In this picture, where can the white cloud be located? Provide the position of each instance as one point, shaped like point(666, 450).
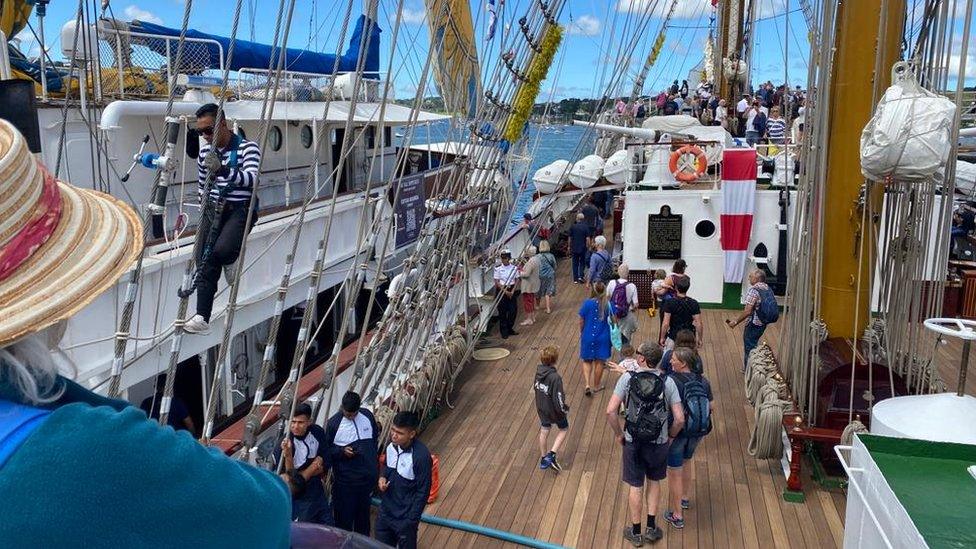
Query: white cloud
point(685, 9)
point(585, 25)
point(413, 17)
point(135, 12)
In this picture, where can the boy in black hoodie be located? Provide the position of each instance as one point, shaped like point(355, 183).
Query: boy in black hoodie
point(550, 403)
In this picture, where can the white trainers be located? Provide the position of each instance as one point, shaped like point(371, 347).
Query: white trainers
point(197, 325)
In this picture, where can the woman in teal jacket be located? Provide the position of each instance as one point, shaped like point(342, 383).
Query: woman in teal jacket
point(77, 469)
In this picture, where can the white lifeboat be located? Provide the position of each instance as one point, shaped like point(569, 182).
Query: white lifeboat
point(550, 178)
point(618, 167)
point(587, 171)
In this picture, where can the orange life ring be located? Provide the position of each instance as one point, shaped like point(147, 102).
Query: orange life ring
point(682, 174)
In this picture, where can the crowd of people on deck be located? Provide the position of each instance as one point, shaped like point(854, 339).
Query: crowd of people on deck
point(661, 406)
point(758, 116)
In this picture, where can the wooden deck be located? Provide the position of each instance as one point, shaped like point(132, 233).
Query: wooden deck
point(489, 457)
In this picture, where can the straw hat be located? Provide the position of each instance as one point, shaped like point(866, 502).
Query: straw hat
point(60, 246)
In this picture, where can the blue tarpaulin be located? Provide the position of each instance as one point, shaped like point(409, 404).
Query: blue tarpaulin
point(251, 55)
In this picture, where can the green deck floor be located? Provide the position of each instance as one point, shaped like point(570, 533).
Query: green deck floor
point(932, 482)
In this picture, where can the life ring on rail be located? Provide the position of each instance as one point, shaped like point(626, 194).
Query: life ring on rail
point(680, 167)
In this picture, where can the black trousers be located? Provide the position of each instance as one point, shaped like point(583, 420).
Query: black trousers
point(401, 536)
point(507, 310)
point(351, 507)
point(226, 248)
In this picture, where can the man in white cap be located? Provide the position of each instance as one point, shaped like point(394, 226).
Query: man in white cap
point(506, 283)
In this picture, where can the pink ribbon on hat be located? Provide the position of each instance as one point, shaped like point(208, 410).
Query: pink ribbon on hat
point(36, 230)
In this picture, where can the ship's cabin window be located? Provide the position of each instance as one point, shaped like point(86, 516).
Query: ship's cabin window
point(275, 138)
point(370, 137)
point(705, 228)
point(307, 136)
point(387, 136)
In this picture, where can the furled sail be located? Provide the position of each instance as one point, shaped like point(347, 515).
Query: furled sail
point(252, 55)
point(456, 68)
point(14, 15)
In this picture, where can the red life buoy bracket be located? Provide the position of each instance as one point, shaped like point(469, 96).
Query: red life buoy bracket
point(682, 169)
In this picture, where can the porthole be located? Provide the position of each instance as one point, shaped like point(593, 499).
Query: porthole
point(705, 228)
point(307, 136)
point(275, 138)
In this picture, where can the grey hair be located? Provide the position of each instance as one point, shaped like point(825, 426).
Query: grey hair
point(686, 356)
point(580, 216)
point(623, 270)
point(28, 373)
point(530, 251)
point(600, 241)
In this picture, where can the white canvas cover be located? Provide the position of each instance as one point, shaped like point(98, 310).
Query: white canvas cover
point(909, 136)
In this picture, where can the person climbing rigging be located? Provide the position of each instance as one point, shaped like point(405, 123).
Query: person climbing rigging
point(236, 161)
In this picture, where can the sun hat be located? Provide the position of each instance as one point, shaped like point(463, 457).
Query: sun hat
point(60, 246)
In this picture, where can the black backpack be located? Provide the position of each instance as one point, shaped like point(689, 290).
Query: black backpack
point(647, 411)
point(607, 272)
point(698, 420)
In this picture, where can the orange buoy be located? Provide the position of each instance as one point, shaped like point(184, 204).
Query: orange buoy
point(682, 172)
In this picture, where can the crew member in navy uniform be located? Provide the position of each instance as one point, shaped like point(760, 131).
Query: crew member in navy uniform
point(233, 183)
point(303, 452)
point(351, 439)
point(405, 484)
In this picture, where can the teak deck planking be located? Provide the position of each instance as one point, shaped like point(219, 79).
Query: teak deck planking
point(489, 457)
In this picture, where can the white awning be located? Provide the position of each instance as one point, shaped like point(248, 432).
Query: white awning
point(365, 113)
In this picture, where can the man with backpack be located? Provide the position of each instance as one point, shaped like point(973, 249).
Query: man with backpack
point(651, 400)
point(680, 313)
point(601, 266)
point(696, 400)
point(622, 295)
point(761, 310)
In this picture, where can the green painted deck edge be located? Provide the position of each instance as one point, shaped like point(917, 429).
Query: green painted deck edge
point(931, 481)
point(731, 298)
point(793, 497)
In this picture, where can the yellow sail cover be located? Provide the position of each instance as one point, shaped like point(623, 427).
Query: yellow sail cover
point(456, 68)
point(14, 15)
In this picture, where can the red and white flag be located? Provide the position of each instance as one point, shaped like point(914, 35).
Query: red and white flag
point(738, 205)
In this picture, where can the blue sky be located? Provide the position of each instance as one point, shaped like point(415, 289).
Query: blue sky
point(583, 68)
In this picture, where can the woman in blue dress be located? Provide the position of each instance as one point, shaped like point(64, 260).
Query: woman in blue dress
point(594, 338)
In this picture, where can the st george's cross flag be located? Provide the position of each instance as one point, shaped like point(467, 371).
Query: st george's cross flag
point(738, 205)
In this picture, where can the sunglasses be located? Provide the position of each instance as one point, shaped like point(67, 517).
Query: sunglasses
point(206, 131)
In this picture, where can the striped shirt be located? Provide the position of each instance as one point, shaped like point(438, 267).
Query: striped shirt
point(776, 128)
point(241, 180)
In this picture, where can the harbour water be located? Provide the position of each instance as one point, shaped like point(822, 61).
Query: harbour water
point(544, 145)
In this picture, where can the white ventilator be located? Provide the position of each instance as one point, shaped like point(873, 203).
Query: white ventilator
point(909, 136)
point(586, 172)
point(549, 179)
point(618, 167)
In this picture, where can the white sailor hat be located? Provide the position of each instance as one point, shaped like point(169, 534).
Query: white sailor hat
point(506, 251)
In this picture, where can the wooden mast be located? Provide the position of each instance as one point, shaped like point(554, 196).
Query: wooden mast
point(851, 97)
